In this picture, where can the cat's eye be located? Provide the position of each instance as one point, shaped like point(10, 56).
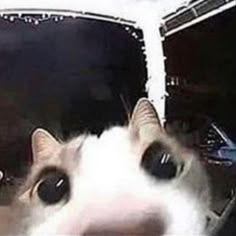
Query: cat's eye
point(159, 163)
point(53, 187)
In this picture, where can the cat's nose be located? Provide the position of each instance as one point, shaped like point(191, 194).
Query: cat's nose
point(123, 216)
point(146, 227)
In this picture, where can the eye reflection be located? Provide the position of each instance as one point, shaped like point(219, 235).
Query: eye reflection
point(53, 187)
point(158, 162)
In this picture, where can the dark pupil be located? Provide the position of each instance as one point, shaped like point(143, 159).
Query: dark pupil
point(54, 188)
point(158, 163)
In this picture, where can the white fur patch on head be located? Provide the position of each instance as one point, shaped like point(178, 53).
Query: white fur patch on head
point(111, 147)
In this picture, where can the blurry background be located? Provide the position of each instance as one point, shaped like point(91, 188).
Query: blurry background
point(67, 75)
point(199, 45)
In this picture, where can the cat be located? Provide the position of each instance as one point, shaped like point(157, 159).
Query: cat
point(131, 180)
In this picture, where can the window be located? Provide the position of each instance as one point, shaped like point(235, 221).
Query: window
point(65, 74)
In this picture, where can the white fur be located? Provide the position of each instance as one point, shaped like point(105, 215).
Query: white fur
point(108, 170)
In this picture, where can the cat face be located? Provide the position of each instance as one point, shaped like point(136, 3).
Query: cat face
point(132, 180)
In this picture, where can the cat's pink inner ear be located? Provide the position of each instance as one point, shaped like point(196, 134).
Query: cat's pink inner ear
point(24, 197)
point(43, 144)
point(145, 123)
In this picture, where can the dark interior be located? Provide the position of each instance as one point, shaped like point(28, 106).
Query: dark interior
point(202, 56)
point(201, 69)
point(70, 76)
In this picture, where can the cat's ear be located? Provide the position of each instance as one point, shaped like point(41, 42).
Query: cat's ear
point(43, 144)
point(25, 197)
point(145, 124)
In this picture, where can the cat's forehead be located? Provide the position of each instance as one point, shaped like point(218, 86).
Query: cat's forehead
point(116, 137)
point(111, 138)
point(112, 146)
point(114, 143)
point(72, 147)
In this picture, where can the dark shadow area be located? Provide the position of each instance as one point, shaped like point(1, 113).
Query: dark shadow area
point(71, 76)
point(203, 57)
